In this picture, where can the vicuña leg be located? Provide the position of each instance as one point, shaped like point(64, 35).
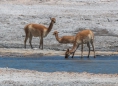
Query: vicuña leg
point(74, 52)
point(81, 50)
point(25, 41)
point(30, 41)
point(41, 43)
point(88, 45)
point(26, 37)
point(92, 43)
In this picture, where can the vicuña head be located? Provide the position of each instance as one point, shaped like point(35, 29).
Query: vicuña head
point(37, 30)
point(82, 37)
point(55, 32)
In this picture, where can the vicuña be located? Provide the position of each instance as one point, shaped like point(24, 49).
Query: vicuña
point(64, 39)
point(82, 37)
point(37, 30)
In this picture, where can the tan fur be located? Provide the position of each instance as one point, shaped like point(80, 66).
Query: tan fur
point(37, 30)
point(82, 37)
point(64, 39)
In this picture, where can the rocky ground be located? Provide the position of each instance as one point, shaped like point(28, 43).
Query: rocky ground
point(101, 16)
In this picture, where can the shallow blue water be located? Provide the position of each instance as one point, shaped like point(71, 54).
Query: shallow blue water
point(100, 64)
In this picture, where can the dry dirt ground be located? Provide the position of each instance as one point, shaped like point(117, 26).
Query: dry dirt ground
point(101, 16)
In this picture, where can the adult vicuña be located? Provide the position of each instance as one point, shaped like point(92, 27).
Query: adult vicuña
point(64, 39)
point(37, 30)
point(82, 37)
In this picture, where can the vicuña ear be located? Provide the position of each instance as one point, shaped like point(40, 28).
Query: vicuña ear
point(50, 18)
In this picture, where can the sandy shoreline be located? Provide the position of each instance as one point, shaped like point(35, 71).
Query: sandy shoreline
point(37, 52)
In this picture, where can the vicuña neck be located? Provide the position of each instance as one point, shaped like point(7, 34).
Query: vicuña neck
point(74, 47)
point(57, 37)
point(50, 27)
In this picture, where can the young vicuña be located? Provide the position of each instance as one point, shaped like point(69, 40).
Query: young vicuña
point(64, 39)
